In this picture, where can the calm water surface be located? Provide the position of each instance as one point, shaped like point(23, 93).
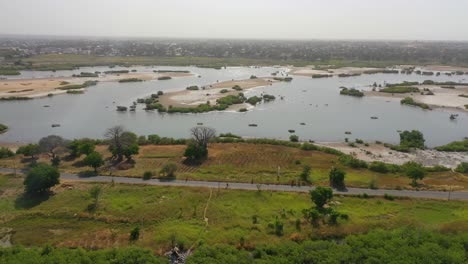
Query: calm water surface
point(315, 102)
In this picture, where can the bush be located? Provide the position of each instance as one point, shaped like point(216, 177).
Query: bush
point(462, 167)
point(6, 153)
point(456, 146)
point(414, 171)
point(94, 160)
point(254, 100)
point(410, 101)
point(169, 170)
point(352, 162)
point(224, 91)
point(193, 88)
point(294, 138)
point(195, 152)
point(351, 92)
point(135, 234)
point(400, 89)
point(147, 175)
point(378, 166)
point(336, 177)
point(412, 139)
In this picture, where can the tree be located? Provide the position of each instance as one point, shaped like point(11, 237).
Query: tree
point(412, 139)
point(41, 178)
point(95, 193)
point(336, 177)
point(321, 196)
point(294, 138)
point(202, 135)
point(78, 147)
point(414, 171)
point(305, 175)
point(121, 142)
point(194, 152)
point(94, 160)
point(52, 145)
point(30, 150)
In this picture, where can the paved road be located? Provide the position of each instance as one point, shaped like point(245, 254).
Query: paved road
point(270, 187)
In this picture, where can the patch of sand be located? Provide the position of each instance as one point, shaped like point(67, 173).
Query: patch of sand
point(40, 87)
point(378, 152)
point(211, 93)
point(442, 98)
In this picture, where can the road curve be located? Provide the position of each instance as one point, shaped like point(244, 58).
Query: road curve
point(252, 187)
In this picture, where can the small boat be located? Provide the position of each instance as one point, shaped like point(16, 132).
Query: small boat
point(199, 124)
point(453, 116)
point(253, 125)
point(374, 117)
point(348, 132)
point(291, 130)
point(55, 125)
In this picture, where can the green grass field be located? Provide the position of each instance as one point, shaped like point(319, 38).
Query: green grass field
point(167, 214)
point(242, 162)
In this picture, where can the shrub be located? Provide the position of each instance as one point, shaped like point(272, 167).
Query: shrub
point(162, 78)
point(6, 153)
point(294, 138)
point(389, 197)
point(456, 146)
point(168, 170)
point(254, 100)
point(352, 162)
point(94, 160)
point(147, 175)
point(336, 177)
point(224, 91)
point(412, 139)
point(462, 167)
point(410, 101)
point(378, 166)
point(193, 88)
point(305, 174)
point(135, 234)
point(351, 92)
point(414, 171)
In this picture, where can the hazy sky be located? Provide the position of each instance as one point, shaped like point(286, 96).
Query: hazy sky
point(293, 19)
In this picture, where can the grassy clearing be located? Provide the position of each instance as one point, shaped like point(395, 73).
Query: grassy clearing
point(242, 162)
point(167, 214)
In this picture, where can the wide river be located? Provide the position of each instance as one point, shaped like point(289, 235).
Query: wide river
point(315, 102)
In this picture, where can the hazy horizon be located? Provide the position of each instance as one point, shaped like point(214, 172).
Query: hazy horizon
point(260, 19)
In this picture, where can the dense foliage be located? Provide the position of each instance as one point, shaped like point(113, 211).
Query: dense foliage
point(458, 146)
point(41, 178)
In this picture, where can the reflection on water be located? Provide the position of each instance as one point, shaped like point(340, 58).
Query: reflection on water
point(315, 102)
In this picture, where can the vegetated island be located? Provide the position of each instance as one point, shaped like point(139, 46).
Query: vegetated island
point(214, 97)
point(426, 95)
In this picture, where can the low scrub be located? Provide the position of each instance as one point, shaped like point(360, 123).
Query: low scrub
point(399, 89)
point(411, 101)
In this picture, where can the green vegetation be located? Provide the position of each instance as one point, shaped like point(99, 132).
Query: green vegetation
point(86, 74)
point(294, 138)
point(231, 99)
point(463, 95)
point(462, 167)
point(411, 101)
point(9, 72)
point(193, 88)
point(30, 150)
point(237, 88)
point(336, 177)
point(254, 100)
point(414, 171)
point(6, 153)
point(456, 146)
point(77, 86)
point(130, 80)
point(3, 128)
point(399, 89)
point(15, 98)
point(162, 78)
point(316, 76)
point(408, 140)
point(348, 74)
point(351, 92)
point(170, 71)
point(75, 92)
point(94, 160)
point(224, 91)
point(41, 178)
point(283, 79)
point(48, 254)
point(117, 72)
